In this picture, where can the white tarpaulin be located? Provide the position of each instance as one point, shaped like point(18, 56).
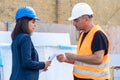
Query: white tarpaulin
point(46, 45)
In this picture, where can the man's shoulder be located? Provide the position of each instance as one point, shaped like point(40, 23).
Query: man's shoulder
point(99, 32)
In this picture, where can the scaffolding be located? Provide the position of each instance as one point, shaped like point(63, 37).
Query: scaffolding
point(112, 71)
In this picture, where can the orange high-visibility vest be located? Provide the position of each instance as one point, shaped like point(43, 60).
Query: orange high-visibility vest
point(90, 71)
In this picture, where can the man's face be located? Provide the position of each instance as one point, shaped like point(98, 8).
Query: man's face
point(79, 23)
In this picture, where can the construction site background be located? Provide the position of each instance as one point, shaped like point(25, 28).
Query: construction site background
point(57, 11)
point(112, 32)
point(54, 15)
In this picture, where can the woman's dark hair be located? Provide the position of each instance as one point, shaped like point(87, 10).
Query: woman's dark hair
point(21, 27)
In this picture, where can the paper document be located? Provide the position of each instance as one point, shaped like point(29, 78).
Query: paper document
point(51, 57)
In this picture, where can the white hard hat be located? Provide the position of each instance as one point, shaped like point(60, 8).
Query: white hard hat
point(79, 10)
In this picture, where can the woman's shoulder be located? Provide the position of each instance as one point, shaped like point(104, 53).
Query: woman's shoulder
point(23, 36)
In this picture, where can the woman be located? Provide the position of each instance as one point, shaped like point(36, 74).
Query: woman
point(25, 62)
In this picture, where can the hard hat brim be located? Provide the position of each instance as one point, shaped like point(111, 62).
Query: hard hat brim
point(36, 18)
point(72, 18)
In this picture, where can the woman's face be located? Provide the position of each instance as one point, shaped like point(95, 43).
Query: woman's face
point(31, 25)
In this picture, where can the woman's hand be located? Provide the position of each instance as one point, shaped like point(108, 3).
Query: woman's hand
point(47, 64)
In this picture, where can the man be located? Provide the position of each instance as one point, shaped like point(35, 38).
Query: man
point(91, 60)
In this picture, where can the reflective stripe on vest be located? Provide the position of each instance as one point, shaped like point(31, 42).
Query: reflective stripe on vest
point(100, 74)
point(103, 65)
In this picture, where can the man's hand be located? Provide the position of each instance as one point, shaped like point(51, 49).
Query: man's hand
point(70, 56)
point(61, 58)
